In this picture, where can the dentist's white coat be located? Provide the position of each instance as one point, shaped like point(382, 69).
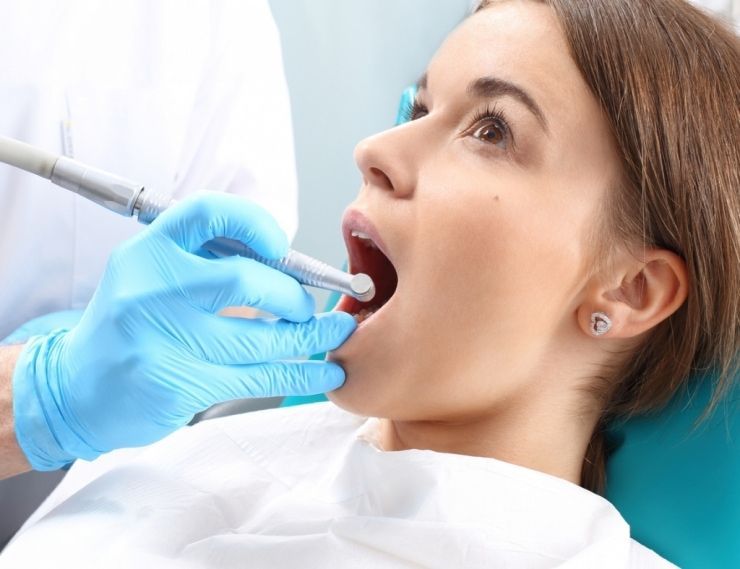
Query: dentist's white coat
point(307, 487)
point(180, 96)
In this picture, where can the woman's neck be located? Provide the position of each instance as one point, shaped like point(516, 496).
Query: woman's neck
point(544, 437)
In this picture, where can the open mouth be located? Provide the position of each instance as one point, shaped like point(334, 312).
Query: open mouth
point(366, 255)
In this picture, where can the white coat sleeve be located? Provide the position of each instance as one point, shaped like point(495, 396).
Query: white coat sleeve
point(240, 138)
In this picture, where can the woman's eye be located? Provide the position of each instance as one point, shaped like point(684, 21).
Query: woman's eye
point(419, 111)
point(414, 111)
point(491, 132)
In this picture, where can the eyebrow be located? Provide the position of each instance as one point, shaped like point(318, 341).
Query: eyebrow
point(492, 87)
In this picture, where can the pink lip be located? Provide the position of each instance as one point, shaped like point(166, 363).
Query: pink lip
point(354, 220)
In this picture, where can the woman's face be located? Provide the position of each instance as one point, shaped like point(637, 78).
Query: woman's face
point(485, 204)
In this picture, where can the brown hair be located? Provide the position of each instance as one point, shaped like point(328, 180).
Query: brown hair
point(667, 76)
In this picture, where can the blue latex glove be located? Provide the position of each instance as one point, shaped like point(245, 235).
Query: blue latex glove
point(43, 325)
point(149, 351)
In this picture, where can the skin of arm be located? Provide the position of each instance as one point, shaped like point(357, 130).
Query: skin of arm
point(12, 459)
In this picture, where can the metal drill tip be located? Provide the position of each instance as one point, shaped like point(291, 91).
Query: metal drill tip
point(362, 287)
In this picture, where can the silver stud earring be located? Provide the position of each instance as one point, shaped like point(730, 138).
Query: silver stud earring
point(600, 323)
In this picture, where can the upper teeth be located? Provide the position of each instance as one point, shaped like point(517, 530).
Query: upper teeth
point(364, 237)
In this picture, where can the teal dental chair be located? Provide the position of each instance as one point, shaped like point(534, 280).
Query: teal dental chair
point(678, 489)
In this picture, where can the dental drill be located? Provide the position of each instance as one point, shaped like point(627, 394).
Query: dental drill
point(129, 198)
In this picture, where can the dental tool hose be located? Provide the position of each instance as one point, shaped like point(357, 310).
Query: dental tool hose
point(129, 198)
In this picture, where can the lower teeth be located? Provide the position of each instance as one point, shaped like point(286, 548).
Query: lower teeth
point(364, 314)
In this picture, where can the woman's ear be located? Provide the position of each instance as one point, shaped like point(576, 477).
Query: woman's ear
point(637, 295)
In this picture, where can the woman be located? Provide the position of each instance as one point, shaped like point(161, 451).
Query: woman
point(555, 239)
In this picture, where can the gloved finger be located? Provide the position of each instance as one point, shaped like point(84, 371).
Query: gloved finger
point(237, 281)
point(207, 215)
point(205, 253)
point(225, 383)
point(244, 341)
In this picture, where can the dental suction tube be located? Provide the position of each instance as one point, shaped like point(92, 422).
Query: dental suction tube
point(128, 198)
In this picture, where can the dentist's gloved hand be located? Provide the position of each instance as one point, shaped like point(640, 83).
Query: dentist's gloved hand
point(149, 351)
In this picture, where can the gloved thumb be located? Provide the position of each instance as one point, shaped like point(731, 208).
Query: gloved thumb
point(208, 215)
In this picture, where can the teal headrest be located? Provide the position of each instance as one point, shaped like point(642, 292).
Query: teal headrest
point(407, 102)
point(679, 488)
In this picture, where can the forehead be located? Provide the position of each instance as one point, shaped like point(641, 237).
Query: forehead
point(520, 41)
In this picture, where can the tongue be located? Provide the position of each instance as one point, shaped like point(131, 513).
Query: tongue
point(383, 273)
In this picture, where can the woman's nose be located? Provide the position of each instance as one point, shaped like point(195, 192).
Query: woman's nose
point(387, 163)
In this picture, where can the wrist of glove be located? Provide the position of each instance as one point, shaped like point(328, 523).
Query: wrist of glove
point(47, 441)
point(43, 325)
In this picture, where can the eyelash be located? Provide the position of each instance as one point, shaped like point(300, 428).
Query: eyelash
point(411, 110)
point(491, 116)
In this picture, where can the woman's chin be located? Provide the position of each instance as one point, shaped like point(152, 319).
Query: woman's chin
point(339, 395)
point(372, 375)
point(343, 397)
point(351, 396)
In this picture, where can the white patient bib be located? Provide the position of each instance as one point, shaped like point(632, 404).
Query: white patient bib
point(303, 487)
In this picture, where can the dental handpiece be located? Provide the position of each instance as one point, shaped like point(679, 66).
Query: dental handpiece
point(129, 198)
